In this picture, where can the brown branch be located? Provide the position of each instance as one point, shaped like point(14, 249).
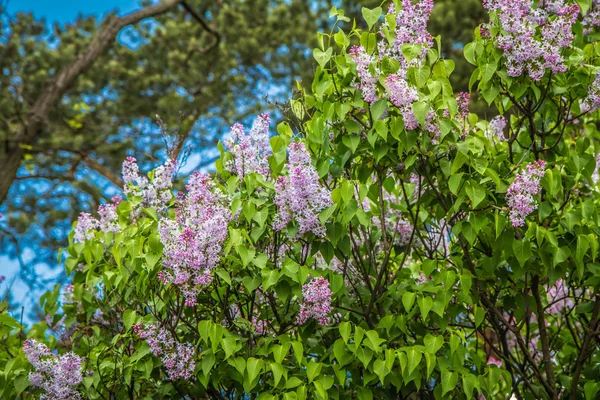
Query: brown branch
point(543, 336)
point(205, 25)
point(38, 116)
point(583, 354)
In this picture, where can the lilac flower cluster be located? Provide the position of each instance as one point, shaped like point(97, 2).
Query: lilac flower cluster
point(194, 240)
point(300, 197)
point(521, 191)
point(411, 28)
point(250, 151)
point(533, 38)
point(558, 298)
point(57, 375)
point(155, 193)
point(496, 128)
point(367, 82)
point(316, 302)
point(178, 358)
point(402, 95)
point(592, 102)
point(596, 173)
point(591, 20)
point(88, 225)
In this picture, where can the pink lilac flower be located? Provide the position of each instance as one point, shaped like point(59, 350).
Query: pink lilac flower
point(591, 20)
point(250, 151)
point(86, 227)
point(367, 82)
point(496, 128)
point(193, 241)
point(533, 37)
point(178, 358)
point(558, 298)
point(316, 302)
point(521, 191)
point(57, 375)
point(300, 197)
point(494, 361)
point(592, 102)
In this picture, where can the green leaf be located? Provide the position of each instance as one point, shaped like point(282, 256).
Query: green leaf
point(128, 319)
point(371, 16)
point(345, 329)
point(468, 382)
point(433, 343)
point(414, 358)
point(590, 388)
point(425, 304)
point(253, 369)
point(322, 57)
point(449, 381)
point(522, 250)
point(476, 193)
point(277, 370)
point(312, 370)
point(408, 299)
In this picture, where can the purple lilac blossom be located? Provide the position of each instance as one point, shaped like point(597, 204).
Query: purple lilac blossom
point(596, 173)
point(57, 375)
point(178, 358)
point(402, 95)
point(367, 82)
point(591, 20)
point(300, 197)
point(592, 102)
point(250, 151)
point(155, 194)
point(533, 37)
point(411, 28)
point(194, 239)
point(495, 130)
point(521, 191)
point(86, 226)
point(316, 302)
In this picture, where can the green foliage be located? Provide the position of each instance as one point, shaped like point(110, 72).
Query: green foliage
point(424, 318)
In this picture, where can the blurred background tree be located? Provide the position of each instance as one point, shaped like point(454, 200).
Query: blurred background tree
point(77, 98)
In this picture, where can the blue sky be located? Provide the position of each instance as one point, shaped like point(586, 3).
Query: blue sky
point(68, 10)
point(53, 11)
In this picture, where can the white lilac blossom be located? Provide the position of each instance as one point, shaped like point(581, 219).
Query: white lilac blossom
point(316, 302)
point(300, 197)
point(521, 191)
point(56, 375)
point(526, 52)
point(178, 358)
point(194, 239)
point(250, 151)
